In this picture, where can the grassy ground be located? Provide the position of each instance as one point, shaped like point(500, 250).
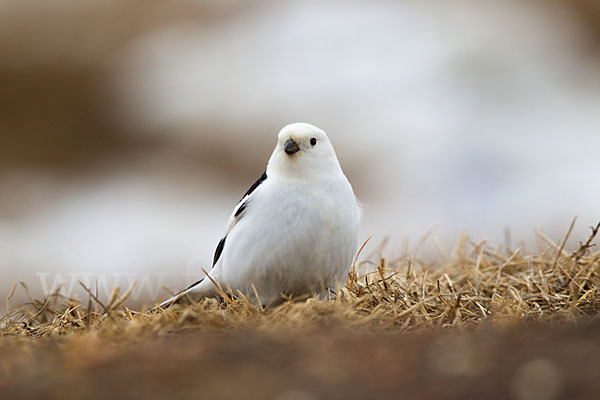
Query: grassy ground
point(483, 323)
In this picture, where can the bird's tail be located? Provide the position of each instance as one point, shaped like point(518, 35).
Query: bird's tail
point(184, 294)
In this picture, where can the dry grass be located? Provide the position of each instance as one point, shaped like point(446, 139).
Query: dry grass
point(531, 332)
point(476, 283)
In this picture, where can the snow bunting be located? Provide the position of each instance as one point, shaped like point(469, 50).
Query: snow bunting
point(294, 232)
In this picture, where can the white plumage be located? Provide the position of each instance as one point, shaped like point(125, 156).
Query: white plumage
point(294, 232)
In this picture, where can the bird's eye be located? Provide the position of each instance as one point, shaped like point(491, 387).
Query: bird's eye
point(313, 141)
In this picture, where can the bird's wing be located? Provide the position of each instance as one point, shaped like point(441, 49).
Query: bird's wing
point(237, 214)
point(239, 209)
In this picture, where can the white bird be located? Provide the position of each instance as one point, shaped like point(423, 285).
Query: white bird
point(295, 230)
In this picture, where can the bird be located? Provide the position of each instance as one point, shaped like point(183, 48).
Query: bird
point(293, 233)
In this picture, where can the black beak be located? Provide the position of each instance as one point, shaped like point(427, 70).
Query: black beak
point(291, 147)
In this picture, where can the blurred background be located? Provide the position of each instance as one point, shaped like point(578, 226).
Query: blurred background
point(129, 129)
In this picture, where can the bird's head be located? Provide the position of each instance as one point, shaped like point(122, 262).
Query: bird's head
point(303, 150)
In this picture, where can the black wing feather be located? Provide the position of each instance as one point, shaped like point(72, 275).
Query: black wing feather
point(240, 209)
point(260, 180)
point(219, 250)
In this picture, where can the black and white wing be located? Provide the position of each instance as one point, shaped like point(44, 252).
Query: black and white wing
point(237, 214)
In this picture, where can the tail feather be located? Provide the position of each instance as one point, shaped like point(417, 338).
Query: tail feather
point(179, 296)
